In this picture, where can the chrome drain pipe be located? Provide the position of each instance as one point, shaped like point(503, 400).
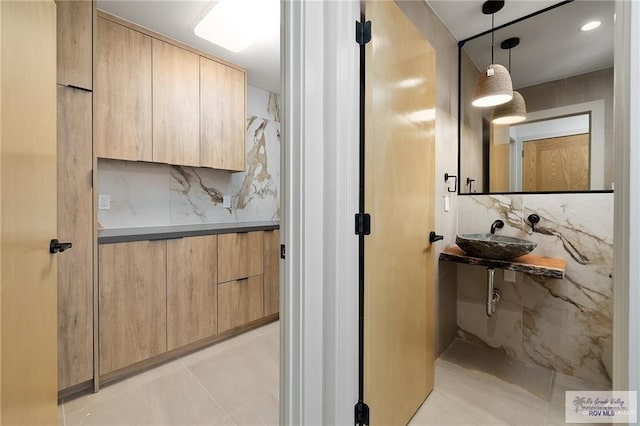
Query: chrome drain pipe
point(493, 294)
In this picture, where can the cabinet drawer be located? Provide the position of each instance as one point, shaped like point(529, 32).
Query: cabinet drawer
point(239, 302)
point(239, 255)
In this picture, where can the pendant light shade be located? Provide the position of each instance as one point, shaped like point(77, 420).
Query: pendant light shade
point(493, 87)
point(515, 110)
point(512, 112)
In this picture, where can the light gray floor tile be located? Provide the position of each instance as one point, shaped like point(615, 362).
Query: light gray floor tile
point(263, 410)
point(110, 390)
point(240, 373)
point(174, 399)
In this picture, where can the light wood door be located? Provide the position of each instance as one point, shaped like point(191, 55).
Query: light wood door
point(176, 105)
point(123, 93)
point(239, 302)
point(191, 290)
point(399, 195)
point(75, 43)
point(556, 164)
point(239, 255)
point(75, 224)
point(133, 302)
point(28, 359)
point(271, 272)
point(222, 116)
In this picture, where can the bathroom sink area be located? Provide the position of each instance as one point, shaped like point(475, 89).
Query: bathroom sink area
point(491, 246)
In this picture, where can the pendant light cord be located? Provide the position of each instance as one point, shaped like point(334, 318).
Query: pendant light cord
point(492, 25)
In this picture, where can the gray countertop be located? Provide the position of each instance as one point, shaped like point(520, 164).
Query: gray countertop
point(123, 235)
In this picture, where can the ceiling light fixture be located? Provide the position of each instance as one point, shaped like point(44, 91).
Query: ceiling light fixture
point(590, 26)
point(493, 86)
point(236, 24)
point(515, 110)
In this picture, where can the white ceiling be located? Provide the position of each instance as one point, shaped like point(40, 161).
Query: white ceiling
point(177, 19)
point(551, 44)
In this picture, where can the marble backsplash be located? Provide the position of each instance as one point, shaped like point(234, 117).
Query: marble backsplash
point(563, 324)
point(151, 194)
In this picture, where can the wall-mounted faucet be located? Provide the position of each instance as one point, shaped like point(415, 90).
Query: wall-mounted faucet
point(496, 224)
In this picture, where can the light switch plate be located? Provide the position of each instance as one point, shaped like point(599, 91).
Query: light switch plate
point(509, 276)
point(104, 202)
point(226, 201)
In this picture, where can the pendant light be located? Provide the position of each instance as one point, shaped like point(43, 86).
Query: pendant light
point(515, 110)
point(493, 86)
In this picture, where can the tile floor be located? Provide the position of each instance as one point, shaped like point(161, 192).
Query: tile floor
point(235, 382)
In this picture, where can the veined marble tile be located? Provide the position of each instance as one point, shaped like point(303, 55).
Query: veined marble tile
point(263, 104)
point(503, 329)
point(476, 213)
point(139, 195)
point(565, 324)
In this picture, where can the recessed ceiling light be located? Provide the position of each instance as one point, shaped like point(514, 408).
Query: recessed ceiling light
point(236, 24)
point(590, 26)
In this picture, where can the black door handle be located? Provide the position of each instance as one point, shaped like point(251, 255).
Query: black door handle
point(56, 246)
point(433, 237)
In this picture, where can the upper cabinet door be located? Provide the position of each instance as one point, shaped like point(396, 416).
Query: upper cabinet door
point(123, 93)
point(176, 105)
point(222, 116)
point(75, 25)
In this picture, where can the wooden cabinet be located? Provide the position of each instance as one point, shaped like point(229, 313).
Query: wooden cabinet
point(123, 93)
point(158, 100)
point(222, 116)
point(239, 255)
point(271, 272)
point(75, 43)
point(176, 109)
point(191, 290)
point(75, 224)
point(239, 302)
point(133, 310)
point(178, 294)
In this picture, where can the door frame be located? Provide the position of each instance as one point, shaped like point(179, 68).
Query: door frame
point(319, 298)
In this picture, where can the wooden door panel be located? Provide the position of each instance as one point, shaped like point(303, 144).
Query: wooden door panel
point(176, 105)
point(75, 224)
point(271, 272)
point(222, 116)
point(123, 93)
point(557, 164)
point(133, 304)
point(28, 293)
point(75, 43)
point(191, 290)
point(399, 195)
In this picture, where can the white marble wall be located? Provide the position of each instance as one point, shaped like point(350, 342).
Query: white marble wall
point(149, 194)
point(561, 324)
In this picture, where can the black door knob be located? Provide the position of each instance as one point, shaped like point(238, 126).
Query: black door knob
point(56, 246)
point(433, 237)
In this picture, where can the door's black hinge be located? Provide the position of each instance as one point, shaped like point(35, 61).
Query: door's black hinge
point(362, 413)
point(363, 224)
point(282, 251)
point(363, 32)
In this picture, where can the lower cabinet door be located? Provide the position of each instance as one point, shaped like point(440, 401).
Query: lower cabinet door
point(239, 302)
point(133, 302)
point(271, 272)
point(191, 290)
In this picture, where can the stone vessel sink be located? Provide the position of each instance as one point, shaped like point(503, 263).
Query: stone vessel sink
point(490, 246)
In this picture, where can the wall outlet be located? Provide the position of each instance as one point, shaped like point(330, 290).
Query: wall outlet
point(226, 201)
point(509, 276)
point(104, 202)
